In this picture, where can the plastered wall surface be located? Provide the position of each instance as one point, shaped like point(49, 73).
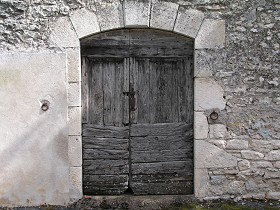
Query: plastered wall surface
point(236, 75)
point(33, 149)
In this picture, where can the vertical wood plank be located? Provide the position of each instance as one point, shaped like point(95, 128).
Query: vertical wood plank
point(143, 88)
point(189, 86)
point(118, 93)
point(182, 80)
point(85, 83)
point(126, 90)
point(153, 90)
point(108, 90)
point(96, 93)
point(133, 77)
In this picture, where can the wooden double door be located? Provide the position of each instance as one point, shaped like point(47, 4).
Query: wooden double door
point(137, 91)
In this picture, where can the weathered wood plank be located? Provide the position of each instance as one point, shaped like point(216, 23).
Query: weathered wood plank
point(143, 91)
point(135, 86)
point(161, 142)
point(108, 91)
point(118, 94)
point(126, 90)
point(84, 88)
point(161, 155)
point(189, 86)
point(160, 129)
point(96, 93)
point(111, 154)
point(161, 167)
point(104, 184)
point(105, 131)
point(105, 143)
point(105, 166)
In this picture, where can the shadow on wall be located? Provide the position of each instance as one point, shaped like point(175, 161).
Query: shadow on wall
point(33, 153)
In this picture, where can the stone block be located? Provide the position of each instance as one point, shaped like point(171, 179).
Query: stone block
point(34, 143)
point(202, 64)
point(201, 182)
point(211, 34)
point(63, 34)
point(273, 155)
point(136, 13)
point(235, 187)
point(277, 164)
point(73, 64)
point(74, 94)
point(260, 145)
point(272, 174)
point(110, 15)
point(200, 126)
point(85, 22)
point(273, 195)
point(243, 165)
point(262, 164)
point(207, 95)
point(188, 21)
point(219, 143)
point(217, 131)
point(237, 144)
point(75, 150)
point(251, 155)
point(210, 156)
point(163, 15)
point(74, 121)
point(76, 188)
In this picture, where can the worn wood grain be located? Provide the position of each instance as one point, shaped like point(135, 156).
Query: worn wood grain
point(154, 155)
point(160, 129)
point(105, 131)
point(162, 167)
point(104, 184)
point(105, 166)
point(105, 143)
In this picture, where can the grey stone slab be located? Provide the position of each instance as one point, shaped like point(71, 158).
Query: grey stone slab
point(252, 155)
point(34, 146)
point(188, 21)
point(63, 34)
point(85, 22)
point(207, 155)
point(110, 15)
point(200, 126)
point(136, 13)
point(207, 95)
point(163, 15)
point(211, 34)
point(76, 189)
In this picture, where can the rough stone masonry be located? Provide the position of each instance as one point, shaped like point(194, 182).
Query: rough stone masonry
point(236, 75)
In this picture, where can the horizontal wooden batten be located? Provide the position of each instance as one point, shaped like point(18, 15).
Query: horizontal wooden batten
point(105, 184)
point(161, 129)
point(105, 131)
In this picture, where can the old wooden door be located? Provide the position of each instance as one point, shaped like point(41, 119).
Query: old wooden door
point(137, 113)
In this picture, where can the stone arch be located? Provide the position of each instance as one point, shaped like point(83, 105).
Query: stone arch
point(169, 16)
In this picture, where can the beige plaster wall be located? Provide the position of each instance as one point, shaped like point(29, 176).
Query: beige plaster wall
point(33, 143)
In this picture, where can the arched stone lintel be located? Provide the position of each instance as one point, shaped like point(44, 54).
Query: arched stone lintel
point(208, 33)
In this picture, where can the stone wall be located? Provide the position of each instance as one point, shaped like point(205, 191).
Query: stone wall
point(236, 75)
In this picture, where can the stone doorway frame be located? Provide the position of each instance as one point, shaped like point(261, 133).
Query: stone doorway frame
point(168, 16)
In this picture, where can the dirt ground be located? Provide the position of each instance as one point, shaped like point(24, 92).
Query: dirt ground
point(156, 203)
